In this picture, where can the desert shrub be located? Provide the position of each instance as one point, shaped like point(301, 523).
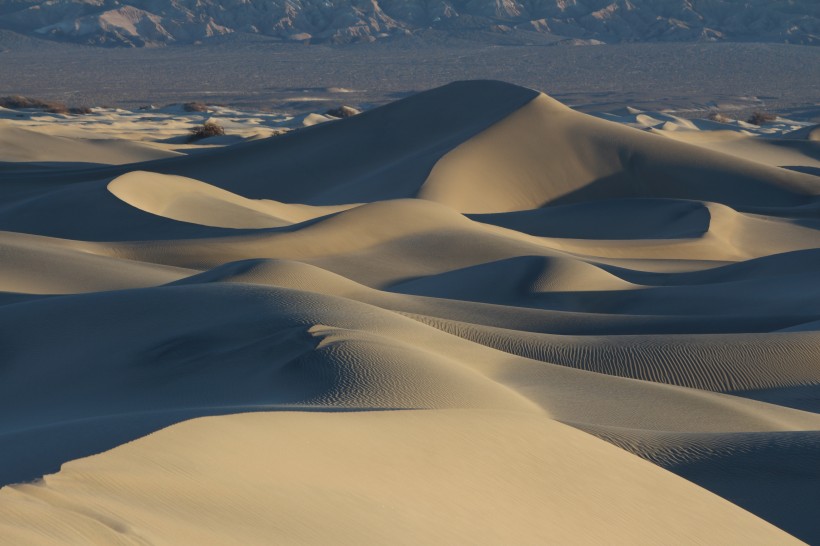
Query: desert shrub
point(720, 118)
point(759, 118)
point(207, 129)
point(342, 112)
point(16, 102)
point(195, 107)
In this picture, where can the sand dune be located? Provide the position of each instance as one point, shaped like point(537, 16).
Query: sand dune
point(189, 200)
point(363, 159)
point(39, 265)
point(545, 153)
point(811, 133)
point(24, 145)
point(774, 474)
point(785, 152)
point(471, 316)
point(334, 465)
point(717, 362)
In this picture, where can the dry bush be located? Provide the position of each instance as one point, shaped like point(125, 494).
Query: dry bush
point(759, 118)
point(17, 102)
point(206, 130)
point(343, 112)
point(718, 117)
point(195, 107)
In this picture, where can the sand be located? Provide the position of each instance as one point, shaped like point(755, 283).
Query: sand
point(470, 316)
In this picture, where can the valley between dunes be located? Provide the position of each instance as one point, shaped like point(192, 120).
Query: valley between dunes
point(472, 316)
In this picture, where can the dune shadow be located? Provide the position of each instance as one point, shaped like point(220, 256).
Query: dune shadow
point(777, 479)
point(639, 179)
point(802, 397)
point(8, 298)
point(805, 169)
point(610, 219)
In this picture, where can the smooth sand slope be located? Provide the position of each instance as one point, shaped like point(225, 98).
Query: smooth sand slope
point(21, 145)
point(345, 479)
point(470, 316)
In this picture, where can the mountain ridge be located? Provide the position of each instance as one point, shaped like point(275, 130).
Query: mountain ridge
point(152, 23)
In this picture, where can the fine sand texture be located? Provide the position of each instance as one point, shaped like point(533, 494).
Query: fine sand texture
point(472, 316)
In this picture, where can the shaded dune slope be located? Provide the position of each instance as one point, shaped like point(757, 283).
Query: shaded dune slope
point(546, 153)
point(480, 259)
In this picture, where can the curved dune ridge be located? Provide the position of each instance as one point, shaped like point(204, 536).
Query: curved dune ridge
point(471, 316)
point(188, 200)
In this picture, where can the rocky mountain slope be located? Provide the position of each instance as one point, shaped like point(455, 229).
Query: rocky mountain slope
point(139, 23)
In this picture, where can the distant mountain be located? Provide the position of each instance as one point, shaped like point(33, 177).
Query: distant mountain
point(141, 23)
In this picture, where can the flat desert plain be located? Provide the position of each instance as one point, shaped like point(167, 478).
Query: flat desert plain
point(471, 316)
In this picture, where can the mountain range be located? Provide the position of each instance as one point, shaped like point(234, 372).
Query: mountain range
point(151, 23)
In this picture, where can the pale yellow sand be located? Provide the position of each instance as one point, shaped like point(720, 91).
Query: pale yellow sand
point(25, 145)
point(189, 200)
point(435, 477)
point(443, 312)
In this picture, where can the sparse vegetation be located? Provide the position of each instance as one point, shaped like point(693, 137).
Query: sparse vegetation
point(718, 117)
point(195, 107)
point(342, 112)
point(18, 102)
point(206, 130)
point(759, 118)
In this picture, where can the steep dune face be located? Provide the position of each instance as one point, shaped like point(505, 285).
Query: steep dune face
point(381, 154)
point(432, 310)
point(546, 153)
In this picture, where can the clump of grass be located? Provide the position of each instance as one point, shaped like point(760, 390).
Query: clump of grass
point(19, 102)
point(195, 107)
point(718, 117)
point(206, 130)
point(759, 118)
